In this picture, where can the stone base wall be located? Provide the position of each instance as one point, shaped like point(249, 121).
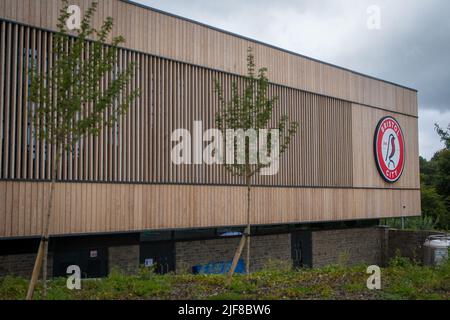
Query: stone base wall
point(374, 245)
point(124, 258)
point(408, 244)
point(347, 246)
point(21, 265)
point(263, 251)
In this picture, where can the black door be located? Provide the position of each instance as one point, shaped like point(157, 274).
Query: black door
point(301, 249)
point(93, 262)
point(158, 255)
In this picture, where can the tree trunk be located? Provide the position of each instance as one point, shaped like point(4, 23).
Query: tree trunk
point(245, 237)
point(42, 254)
point(237, 255)
point(247, 264)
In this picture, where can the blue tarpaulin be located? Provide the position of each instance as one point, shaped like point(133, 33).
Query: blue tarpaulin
point(218, 268)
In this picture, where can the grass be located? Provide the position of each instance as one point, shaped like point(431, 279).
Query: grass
point(400, 280)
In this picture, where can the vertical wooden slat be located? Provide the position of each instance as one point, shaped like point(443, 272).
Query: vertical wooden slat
point(98, 145)
point(14, 106)
point(2, 95)
point(147, 118)
point(25, 119)
point(19, 155)
point(44, 151)
point(134, 126)
point(7, 104)
point(37, 145)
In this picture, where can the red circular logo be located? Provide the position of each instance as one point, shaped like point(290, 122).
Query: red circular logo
point(389, 147)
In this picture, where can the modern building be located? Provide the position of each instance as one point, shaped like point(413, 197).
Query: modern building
point(121, 202)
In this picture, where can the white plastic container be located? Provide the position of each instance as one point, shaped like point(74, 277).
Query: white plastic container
point(436, 249)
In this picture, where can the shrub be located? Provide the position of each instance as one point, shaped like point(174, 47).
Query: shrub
point(400, 261)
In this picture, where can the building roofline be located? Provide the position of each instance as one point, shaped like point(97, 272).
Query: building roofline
point(262, 43)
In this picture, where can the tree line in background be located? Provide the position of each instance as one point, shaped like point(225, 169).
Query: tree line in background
point(435, 191)
point(435, 183)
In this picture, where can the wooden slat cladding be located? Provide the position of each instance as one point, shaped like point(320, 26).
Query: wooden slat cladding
point(173, 95)
point(96, 208)
point(164, 35)
point(123, 180)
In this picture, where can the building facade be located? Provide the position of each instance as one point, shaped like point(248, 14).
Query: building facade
point(121, 201)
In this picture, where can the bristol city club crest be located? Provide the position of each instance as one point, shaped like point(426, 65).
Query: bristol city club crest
point(389, 148)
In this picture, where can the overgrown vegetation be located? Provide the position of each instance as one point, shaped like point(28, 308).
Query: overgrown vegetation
point(414, 223)
point(402, 279)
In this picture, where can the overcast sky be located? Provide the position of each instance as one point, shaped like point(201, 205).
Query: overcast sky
point(411, 48)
